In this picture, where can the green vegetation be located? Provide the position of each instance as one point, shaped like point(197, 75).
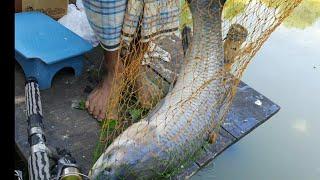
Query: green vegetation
point(307, 13)
point(100, 147)
point(82, 105)
point(276, 3)
point(112, 127)
point(136, 114)
point(185, 16)
point(303, 16)
point(232, 8)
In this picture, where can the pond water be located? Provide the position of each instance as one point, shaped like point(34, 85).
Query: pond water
point(287, 146)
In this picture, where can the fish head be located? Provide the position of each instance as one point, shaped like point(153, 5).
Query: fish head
point(115, 162)
point(127, 157)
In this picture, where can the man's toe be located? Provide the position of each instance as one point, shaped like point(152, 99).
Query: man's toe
point(102, 114)
point(87, 104)
point(91, 107)
point(96, 111)
point(90, 98)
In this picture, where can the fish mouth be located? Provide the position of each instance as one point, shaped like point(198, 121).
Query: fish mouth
point(100, 170)
point(103, 174)
point(105, 171)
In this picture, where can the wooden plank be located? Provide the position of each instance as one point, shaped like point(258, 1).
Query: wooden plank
point(188, 172)
point(255, 109)
point(224, 140)
point(204, 158)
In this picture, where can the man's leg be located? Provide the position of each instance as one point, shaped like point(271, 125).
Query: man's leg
point(106, 19)
point(98, 98)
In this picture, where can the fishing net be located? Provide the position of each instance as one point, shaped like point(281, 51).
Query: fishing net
point(187, 98)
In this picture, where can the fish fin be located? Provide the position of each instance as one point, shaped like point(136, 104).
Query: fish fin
point(154, 110)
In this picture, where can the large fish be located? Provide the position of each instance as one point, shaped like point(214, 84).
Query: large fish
point(184, 119)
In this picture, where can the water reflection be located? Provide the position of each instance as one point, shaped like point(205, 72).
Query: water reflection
point(286, 70)
point(305, 15)
point(300, 126)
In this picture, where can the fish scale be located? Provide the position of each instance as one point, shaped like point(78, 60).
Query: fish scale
point(186, 116)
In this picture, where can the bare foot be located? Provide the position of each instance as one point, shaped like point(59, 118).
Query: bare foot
point(97, 101)
point(98, 98)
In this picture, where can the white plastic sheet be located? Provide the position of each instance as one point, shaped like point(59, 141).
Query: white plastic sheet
point(76, 20)
point(80, 5)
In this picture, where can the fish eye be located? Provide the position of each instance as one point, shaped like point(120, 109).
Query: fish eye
point(109, 155)
point(107, 170)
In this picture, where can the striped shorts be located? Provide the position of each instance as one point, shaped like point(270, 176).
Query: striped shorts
point(117, 20)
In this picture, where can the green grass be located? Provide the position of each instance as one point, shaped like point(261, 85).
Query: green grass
point(136, 114)
point(100, 147)
point(82, 105)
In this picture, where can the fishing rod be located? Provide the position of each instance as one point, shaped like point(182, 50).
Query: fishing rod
point(38, 161)
point(39, 168)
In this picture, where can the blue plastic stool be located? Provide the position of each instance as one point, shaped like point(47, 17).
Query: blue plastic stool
point(43, 47)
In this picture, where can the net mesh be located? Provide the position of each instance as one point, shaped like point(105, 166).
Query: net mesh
point(173, 112)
